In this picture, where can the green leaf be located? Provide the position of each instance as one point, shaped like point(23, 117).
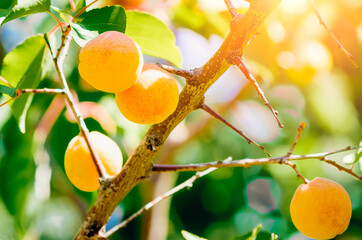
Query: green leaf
point(97, 21)
point(353, 158)
point(61, 11)
point(359, 151)
point(6, 4)
point(153, 36)
point(81, 35)
point(258, 234)
point(7, 224)
point(111, 18)
point(8, 90)
point(23, 68)
point(79, 4)
point(350, 159)
point(27, 7)
point(17, 170)
point(189, 236)
point(3, 13)
point(255, 232)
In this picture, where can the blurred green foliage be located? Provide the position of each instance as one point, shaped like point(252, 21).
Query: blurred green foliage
point(305, 77)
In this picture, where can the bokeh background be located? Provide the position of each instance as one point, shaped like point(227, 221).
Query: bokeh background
point(303, 74)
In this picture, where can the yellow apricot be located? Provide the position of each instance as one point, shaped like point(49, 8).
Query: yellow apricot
point(111, 62)
point(151, 99)
point(79, 165)
point(321, 209)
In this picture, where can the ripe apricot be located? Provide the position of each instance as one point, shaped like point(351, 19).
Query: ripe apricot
point(151, 99)
point(79, 165)
point(111, 62)
point(321, 209)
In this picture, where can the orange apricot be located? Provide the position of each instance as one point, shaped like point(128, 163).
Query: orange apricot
point(321, 209)
point(79, 165)
point(151, 99)
point(111, 62)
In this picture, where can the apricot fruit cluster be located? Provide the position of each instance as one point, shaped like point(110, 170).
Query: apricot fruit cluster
point(321, 209)
point(113, 62)
point(145, 94)
point(79, 165)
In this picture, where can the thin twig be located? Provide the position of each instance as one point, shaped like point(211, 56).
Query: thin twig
point(41, 90)
point(4, 81)
point(299, 131)
point(231, 9)
point(8, 101)
point(72, 5)
point(289, 163)
point(186, 184)
point(48, 44)
point(246, 163)
point(57, 20)
point(83, 9)
point(54, 29)
point(63, 44)
point(323, 23)
point(238, 62)
point(58, 62)
point(341, 168)
point(188, 74)
point(218, 117)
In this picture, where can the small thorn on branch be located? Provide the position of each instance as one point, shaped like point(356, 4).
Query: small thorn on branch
point(177, 71)
point(339, 45)
point(238, 62)
point(231, 8)
point(217, 116)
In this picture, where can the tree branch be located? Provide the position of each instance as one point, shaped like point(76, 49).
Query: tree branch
point(188, 183)
point(248, 162)
point(188, 74)
point(41, 90)
point(218, 117)
point(323, 23)
point(139, 165)
point(238, 62)
point(58, 63)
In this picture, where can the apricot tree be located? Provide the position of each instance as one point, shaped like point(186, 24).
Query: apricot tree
point(111, 42)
